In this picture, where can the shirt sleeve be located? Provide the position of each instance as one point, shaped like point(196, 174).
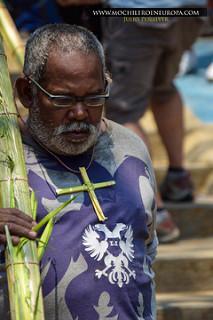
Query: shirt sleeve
point(148, 191)
point(152, 247)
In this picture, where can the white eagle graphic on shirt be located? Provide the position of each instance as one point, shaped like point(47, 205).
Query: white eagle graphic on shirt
point(100, 243)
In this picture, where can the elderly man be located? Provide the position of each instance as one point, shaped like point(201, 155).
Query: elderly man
point(92, 269)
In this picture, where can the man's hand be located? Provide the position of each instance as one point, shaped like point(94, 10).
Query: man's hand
point(19, 225)
point(65, 3)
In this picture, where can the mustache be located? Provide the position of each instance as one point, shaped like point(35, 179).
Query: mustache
point(74, 126)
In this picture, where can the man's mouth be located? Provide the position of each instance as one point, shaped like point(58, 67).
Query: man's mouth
point(75, 132)
point(77, 135)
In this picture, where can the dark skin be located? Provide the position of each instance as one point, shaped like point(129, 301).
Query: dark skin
point(67, 74)
point(19, 224)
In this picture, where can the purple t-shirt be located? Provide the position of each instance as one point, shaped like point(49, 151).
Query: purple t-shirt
point(96, 270)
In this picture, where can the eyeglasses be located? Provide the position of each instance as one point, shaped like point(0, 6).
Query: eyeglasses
point(60, 101)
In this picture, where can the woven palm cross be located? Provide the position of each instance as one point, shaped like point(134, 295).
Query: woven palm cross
point(90, 188)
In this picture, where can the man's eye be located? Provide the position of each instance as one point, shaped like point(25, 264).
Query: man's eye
point(96, 101)
point(63, 101)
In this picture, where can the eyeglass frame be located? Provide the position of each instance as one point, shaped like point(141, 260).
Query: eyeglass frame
point(51, 97)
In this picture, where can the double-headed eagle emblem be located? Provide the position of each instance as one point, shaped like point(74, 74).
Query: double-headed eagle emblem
point(115, 247)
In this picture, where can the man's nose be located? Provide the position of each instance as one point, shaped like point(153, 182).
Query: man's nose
point(78, 111)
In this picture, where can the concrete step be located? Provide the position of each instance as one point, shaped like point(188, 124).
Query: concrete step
point(185, 306)
point(194, 219)
point(185, 266)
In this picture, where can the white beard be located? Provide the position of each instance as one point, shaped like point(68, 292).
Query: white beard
point(52, 138)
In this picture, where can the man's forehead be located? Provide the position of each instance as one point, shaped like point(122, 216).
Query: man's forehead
point(73, 63)
point(57, 55)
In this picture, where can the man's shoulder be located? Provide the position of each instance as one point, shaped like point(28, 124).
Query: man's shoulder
point(30, 146)
point(121, 134)
point(32, 151)
point(125, 143)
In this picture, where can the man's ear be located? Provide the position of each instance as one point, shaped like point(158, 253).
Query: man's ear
point(24, 92)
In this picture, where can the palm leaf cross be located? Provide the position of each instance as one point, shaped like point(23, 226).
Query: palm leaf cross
point(90, 188)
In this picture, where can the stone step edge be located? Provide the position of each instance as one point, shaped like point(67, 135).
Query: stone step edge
point(193, 299)
point(198, 166)
point(206, 256)
point(200, 201)
point(200, 248)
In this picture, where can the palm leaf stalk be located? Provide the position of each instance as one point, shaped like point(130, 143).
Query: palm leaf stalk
point(49, 221)
point(22, 266)
point(11, 35)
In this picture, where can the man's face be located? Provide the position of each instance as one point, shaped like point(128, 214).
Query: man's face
point(68, 130)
